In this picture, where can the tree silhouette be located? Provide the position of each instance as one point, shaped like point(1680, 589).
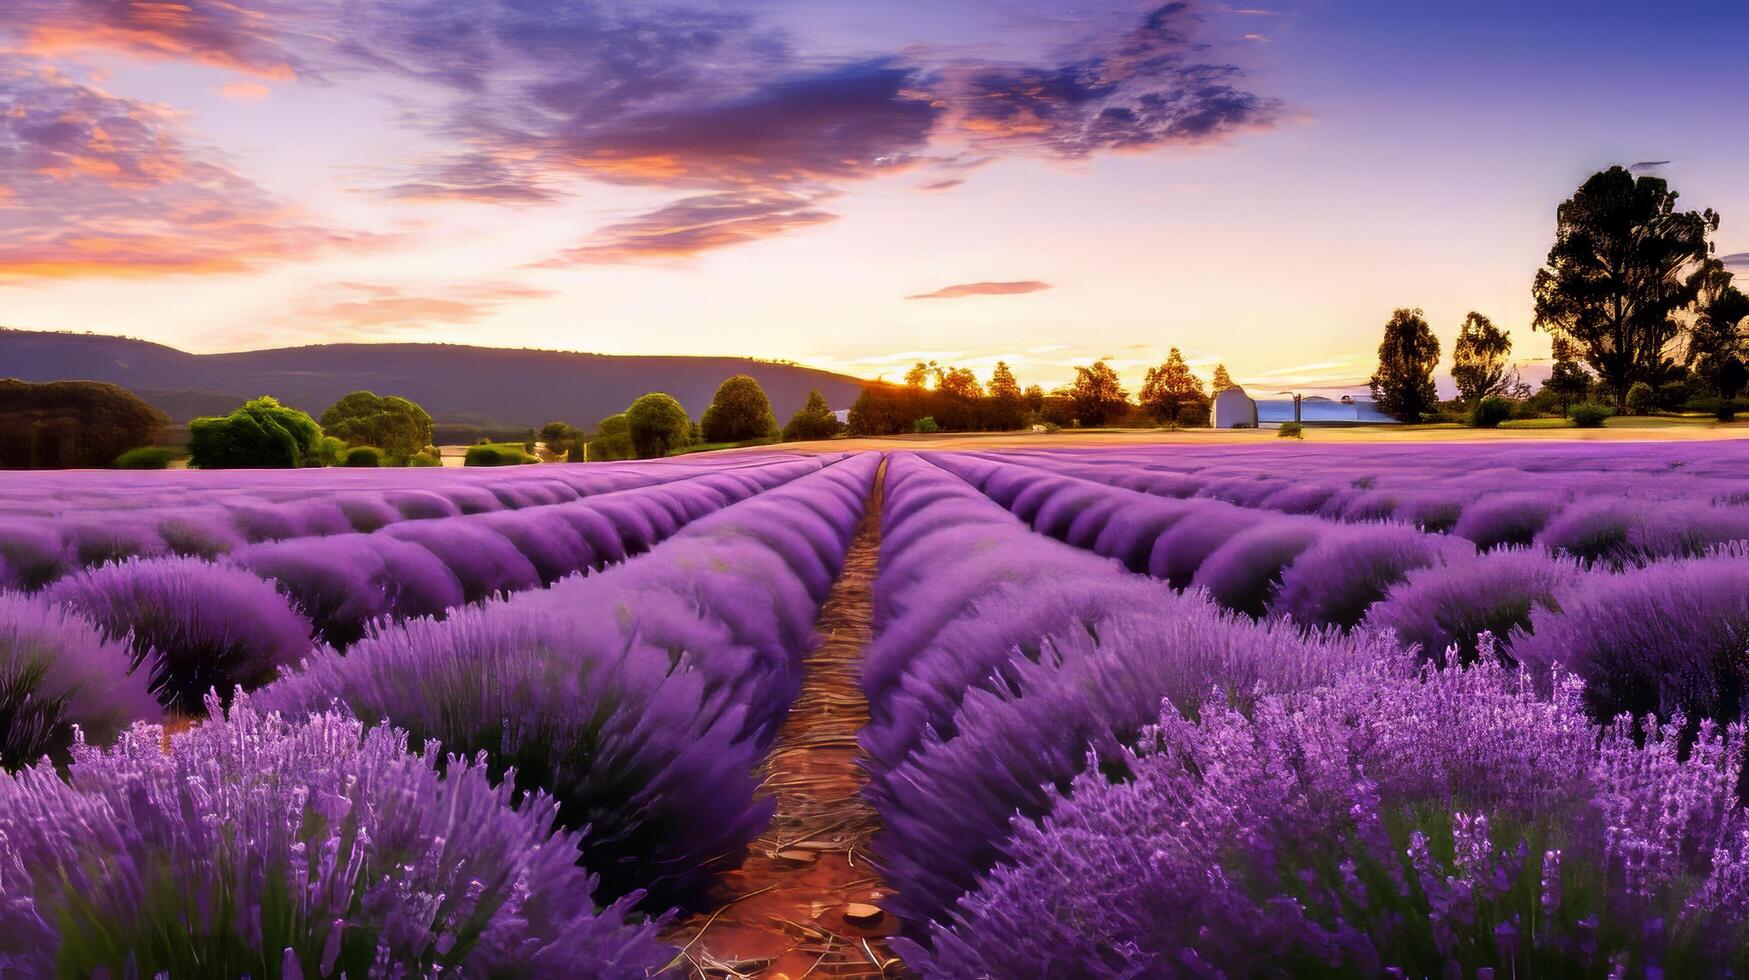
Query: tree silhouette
point(1403, 384)
point(1007, 404)
point(1624, 262)
point(1478, 359)
point(1568, 380)
point(1097, 395)
point(1716, 344)
point(1171, 393)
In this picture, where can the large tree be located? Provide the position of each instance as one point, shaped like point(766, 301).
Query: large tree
point(1097, 395)
point(1403, 384)
point(657, 425)
point(1625, 262)
point(738, 412)
point(1717, 348)
point(392, 423)
point(1171, 393)
point(1478, 359)
point(261, 434)
point(1568, 380)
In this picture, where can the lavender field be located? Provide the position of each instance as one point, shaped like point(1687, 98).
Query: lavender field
point(1224, 710)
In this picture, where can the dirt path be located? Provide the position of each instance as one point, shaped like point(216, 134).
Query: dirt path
point(783, 914)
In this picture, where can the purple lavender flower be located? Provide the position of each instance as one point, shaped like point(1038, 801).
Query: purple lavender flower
point(57, 671)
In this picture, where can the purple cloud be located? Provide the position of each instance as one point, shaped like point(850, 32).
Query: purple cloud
point(697, 224)
point(985, 289)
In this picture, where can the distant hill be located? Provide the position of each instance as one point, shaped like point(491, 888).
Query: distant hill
point(482, 385)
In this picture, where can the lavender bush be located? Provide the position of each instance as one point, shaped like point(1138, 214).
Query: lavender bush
point(1456, 824)
point(632, 750)
point(57, 671)
point(1445, 606)
point(1352, 567)
point(260, 847)
point(191, 626)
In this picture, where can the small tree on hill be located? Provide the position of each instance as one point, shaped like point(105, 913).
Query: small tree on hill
point(1403, 384)
point(393, 424)
point(1478, 359)
point(738, 412)
point(1097, 394)
point(657, 425)
point(814, 420)
point(1624, 263)
point(1172, 394)
point(260, 434)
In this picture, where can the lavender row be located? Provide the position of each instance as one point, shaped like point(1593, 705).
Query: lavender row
point(49, 527)
point(1663, 637)
point(1006, 663)
point(179, 627)
point(1617, 505)
point(642, 698)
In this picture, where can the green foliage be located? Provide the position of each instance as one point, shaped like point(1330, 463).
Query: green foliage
point(612, 439)
point(71, 423)
point(1291, 430)
point(1403, 384)
point(363, 418)
point(1724, 409)
point(261, 434)
point(362, 456)
point(1640, 399)
point(147, 458)
point(814, 420)
point(925, 424)
point(327, 451)
point(497, 454)
point(428, 457)
point(658, 425)
point(1478, 359)
point(738, 411)
point(1589, 415)
point(1490, 412)
point(1624, 263)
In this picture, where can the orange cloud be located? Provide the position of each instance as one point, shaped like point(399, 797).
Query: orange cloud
point(212, 32)
point(985, 289)
point(245, 91)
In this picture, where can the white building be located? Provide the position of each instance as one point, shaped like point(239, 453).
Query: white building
point(1234, 409)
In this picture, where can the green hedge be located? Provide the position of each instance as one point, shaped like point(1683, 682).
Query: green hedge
point(498, 454)
point(147, 458)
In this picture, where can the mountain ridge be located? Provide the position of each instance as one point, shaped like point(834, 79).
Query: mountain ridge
point(508, 386)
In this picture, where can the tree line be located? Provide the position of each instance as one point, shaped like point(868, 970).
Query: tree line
point(1643, 314)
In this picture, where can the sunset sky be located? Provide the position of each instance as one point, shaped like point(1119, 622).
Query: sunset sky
point(852, 185)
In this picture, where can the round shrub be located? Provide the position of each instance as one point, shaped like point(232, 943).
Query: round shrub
point(57, 671)
point(1242, 573)
point(1589, 415)
point(657, 425)
point(738, 412)
point(1490, 412)
point(194, 626)
point(147, 458)
point(364, 418)
point(1665, 638)
point(262, 433)
point(1291, 430)
point(628, 746)
point(1495, 592)
point(926, 424)
point(362, 456)
point(1641, 398)
point(1506, 519)
point(256, 846)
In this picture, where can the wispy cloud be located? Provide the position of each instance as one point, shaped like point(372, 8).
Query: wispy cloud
point(103, 185)
point(697, 224)
point(985, 289)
